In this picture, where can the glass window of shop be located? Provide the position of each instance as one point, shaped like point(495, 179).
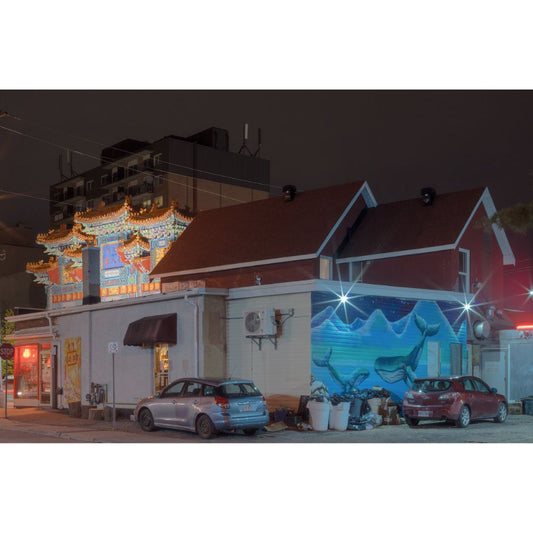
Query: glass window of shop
point(160, 366)
point(26, 372)
point(45, 374)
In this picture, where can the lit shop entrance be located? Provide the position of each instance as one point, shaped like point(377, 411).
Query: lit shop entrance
point(156, 333)
point(160, 366)
point(34, 375)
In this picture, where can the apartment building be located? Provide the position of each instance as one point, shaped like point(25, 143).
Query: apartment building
point(198, 172)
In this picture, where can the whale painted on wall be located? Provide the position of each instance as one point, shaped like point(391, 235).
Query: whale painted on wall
point(395, 368)
point(377, 341)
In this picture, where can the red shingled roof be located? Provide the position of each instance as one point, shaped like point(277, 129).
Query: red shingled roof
point(258, 231)
point(409, 225)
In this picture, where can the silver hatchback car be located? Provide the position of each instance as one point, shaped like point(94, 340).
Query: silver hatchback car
point(205, 406)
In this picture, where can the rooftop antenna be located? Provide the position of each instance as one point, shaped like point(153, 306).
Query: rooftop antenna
point(69, 163)
point(258, 151)
point(244, 148)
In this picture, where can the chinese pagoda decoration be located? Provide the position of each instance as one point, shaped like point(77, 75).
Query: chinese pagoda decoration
point(130, 243)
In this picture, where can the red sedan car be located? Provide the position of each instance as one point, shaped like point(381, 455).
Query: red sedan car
point(460, 399)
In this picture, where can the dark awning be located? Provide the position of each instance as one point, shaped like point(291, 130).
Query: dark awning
point(151, 330)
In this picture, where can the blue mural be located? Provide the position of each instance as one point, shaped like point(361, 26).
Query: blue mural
point(375, 341)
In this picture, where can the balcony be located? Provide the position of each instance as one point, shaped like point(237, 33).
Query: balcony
point(72, 193)
point(137, 190)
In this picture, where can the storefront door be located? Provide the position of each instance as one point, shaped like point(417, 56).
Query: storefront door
point(160, 366)
point(26, 387)
point(45, 374)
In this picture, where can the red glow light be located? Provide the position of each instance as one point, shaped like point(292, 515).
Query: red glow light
point(525, 326)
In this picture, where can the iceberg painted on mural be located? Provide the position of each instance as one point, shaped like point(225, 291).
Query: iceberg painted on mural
point(395, 368)
point(380, 341)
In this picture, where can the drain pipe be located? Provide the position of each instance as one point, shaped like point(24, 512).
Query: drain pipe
point(54, 365)
point(196, 343)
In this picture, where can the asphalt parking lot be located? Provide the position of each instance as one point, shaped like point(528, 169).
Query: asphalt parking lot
point(32, 423)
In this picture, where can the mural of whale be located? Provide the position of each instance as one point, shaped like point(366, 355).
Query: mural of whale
point(347, 384)
point(396, 368)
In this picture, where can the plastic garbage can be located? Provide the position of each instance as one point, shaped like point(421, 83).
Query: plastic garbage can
point(319, 415)
point(338, 418)
point(528, 405)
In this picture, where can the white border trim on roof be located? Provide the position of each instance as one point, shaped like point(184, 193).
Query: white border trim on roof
point(337, 287)
point(369, 199)
point(400, 253)
point(499, 233)
point(236, 265)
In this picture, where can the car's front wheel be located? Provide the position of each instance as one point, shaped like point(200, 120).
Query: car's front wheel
point(411, 422)
point(250, 431)
point(146, 420)
point(204, 427)
point(502, 413)
point(464, 417)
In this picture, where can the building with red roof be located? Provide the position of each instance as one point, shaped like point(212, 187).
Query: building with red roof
point(319, 292)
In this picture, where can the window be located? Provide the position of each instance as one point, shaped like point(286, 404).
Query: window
point(356, 271)
point(89, 186)
point(147, 203)
point(467, 385)
point(133, 167)
point(193, 389)
point(173, 390)
point(90, 204)
point(464, 270)
point(157, 159)
point(158, 200)
point(480, 386)
point(325, 268)
point(160, 366)
point(104, 180)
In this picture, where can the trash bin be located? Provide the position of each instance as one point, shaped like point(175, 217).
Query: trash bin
point(319, 414)
point(338, 418)
point(528, 405)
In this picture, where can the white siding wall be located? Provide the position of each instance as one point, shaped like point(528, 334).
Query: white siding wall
point(285, 370)
point(133, 365)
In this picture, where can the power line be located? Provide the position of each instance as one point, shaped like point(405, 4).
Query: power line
point(126, 153)
point(33, 137)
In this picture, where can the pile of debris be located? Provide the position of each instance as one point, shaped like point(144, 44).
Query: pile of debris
point(369, 408)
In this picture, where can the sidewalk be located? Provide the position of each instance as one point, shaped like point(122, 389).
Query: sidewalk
point(57, 423)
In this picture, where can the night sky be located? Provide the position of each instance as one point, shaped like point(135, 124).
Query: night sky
point(399, 141)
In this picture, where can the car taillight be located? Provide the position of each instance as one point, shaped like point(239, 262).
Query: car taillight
point(222, 402)
point(448, 396)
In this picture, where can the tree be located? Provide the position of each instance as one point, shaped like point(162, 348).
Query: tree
point(7, 328)
point(517, 218)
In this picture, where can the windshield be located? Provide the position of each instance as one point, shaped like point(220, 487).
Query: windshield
point(431, 385)
point(236, 390)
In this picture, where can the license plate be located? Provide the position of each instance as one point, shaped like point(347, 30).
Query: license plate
point(246, 407)
point(424, 413)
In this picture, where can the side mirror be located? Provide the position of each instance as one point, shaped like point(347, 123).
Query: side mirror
point(157, 395)
point(494, 390)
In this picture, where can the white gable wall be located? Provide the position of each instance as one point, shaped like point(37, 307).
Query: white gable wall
point(133, 365)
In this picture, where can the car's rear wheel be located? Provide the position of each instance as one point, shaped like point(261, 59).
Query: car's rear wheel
point(250, 431)
point(502, 413)
point(464, 417)
point(146, 420)
point(411, 422)
point(204, 427)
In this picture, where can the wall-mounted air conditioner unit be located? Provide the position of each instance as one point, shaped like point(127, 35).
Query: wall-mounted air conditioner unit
point(259, 322)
